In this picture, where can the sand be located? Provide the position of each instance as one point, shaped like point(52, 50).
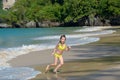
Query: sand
point(79, 61)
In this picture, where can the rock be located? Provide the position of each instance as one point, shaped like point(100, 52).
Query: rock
point(91, 20)
point(34, 24)
point(97, 21)
point(54, 24)
point(31, 24)
point(115, 21)
point(4, 25)
point(107, 23)
point(70, 23)
point(82, 21)
point(48, 24)
point(15, 25)
point(45, 24)
point(94, 20)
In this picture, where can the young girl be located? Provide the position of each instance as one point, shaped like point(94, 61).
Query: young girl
point(57, 52)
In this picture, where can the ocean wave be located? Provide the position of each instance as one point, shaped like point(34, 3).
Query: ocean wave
point(18, 73)
point(10, 53)
point(47, 37)
point(90, 29)
point(76, 35)
point(75, 39)
point(82, 41)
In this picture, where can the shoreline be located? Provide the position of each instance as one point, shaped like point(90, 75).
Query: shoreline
point(49, 51)
point(73, 57)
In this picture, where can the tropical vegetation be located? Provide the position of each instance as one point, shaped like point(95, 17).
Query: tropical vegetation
point(61, 10)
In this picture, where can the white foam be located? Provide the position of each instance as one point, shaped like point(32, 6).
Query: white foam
point(19, 73)
point(10, 53)
point(91, 29)
point(47, 37)
point(77, 35)
point(82, 41)
point(22, 73)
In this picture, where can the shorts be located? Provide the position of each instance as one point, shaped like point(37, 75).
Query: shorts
point(57, 55)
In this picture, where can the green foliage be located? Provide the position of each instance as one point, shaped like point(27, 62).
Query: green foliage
point(2, 12)
point(114, 7)
point(77, 9)
point(61, 10)
point(109, 8)
point(0, 4)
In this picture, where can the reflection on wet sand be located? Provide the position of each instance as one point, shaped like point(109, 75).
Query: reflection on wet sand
point(54, 77)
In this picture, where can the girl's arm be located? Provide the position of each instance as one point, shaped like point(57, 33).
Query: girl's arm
point(55, 49)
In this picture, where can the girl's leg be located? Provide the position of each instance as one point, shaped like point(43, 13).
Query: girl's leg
point(61, 63)
point(54, 64)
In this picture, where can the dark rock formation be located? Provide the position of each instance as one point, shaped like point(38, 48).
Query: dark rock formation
point(88, 21)
point(70, 23)
point(15, 25)
point(93, 21)
point(84, 21)
point(115, 21)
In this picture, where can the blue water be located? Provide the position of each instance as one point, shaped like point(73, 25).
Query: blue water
point(18, 37)
point(15, 42)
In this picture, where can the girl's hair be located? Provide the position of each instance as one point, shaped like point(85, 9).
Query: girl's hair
point(61, 37)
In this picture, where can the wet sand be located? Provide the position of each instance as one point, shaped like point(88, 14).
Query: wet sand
point(80, 61)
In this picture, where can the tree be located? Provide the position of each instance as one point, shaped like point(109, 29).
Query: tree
point(61, 10)
point(77, 9)
point(109, 8)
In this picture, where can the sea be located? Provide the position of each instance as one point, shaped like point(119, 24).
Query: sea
point(19, 41)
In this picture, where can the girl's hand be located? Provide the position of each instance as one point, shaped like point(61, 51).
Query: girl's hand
point(68, 48)
point(53, 53)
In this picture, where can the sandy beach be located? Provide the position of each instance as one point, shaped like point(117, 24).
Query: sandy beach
point(79, 61)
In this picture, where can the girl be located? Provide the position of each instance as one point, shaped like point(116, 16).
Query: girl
point(57, 52)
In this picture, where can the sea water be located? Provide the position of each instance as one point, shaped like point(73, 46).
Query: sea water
point(15, 42)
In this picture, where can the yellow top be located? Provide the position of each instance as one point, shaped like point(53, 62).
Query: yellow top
point(61, 47)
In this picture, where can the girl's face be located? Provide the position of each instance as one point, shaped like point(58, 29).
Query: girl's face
point(62, 40)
